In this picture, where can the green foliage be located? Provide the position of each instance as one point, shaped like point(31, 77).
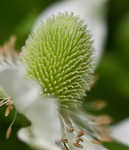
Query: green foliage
point(14, 12)
point(116, 146)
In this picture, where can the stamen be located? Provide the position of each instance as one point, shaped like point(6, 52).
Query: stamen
point(78, 140)
point(9, 104)
point(9, 107)
point(80, 133)
point(99, 104)
point(8, 132)
point(66, 147)
point(3, 102)
point(96, 142)
point(71, 130)
point(95, 78)
point(102, 120)
point(64, 140)
point(8, 110)
point(105, 130)
point(104, 138)
point(78, 145)
point(65, 143)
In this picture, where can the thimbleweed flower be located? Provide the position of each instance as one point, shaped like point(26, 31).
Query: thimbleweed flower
point(59, 57)
point(59, 54)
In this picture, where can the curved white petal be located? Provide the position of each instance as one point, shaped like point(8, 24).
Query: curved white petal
point(120, 132)
point(23, 92)
point(91, 11)
point(42, 112)
point(45, 130)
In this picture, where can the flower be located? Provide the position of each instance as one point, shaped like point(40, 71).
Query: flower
point(60, 48)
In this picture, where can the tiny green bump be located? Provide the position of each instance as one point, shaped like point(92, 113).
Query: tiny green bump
point(59, 55)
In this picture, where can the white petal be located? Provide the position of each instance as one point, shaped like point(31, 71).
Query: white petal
point(87, 10)
point(45, 130)
point(3, 94)
point(120, 132)
point(43, 113)
point(22, 92)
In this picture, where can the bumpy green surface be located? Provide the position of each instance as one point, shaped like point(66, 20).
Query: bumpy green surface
point(59, 55)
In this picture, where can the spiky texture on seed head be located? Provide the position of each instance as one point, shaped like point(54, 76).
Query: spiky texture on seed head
point(59, 55)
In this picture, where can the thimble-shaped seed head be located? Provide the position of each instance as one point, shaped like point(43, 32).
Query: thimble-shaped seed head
point(59, 55)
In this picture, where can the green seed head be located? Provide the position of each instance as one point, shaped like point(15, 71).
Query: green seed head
point(59, 55)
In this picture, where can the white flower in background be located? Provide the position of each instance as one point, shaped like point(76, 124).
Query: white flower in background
point(59, 56)
point(120, 132)
point(92, 12)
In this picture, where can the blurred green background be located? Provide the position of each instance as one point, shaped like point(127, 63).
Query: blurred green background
point(17, 18)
